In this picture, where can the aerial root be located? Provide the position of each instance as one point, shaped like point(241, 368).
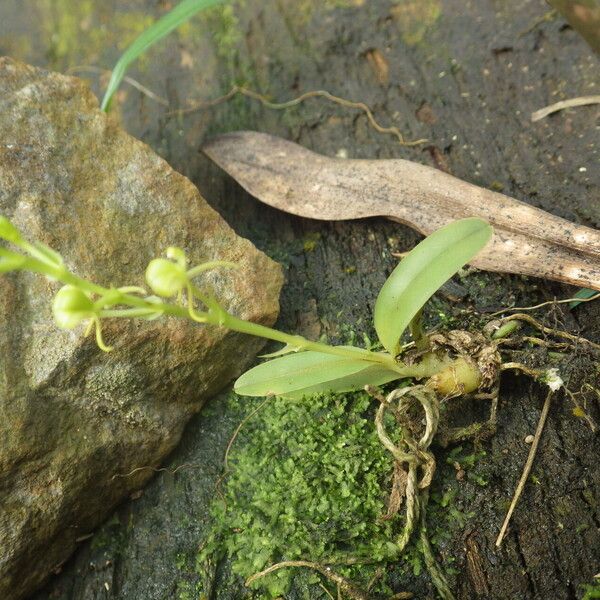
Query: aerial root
point(480, 430)
point(346, 586)
point(573, 339)
point(436, 574)
point(239, 90)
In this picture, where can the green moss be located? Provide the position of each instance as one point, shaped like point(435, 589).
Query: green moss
point(311, 241)
point(415, 18)
point(591, 591)
point(308, 480)
point(74, 35)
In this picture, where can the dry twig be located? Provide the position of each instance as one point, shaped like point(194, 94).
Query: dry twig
point(296, 180)
point(571, 103)
point(526, 468)
point(132, 82)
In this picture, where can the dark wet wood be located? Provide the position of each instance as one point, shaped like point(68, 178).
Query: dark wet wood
point(466, 75)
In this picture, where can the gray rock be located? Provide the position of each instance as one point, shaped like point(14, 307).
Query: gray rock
point(80, 429)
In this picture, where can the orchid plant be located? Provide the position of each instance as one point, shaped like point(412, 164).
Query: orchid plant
point(302, 366)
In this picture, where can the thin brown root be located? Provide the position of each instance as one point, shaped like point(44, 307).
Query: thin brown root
point(230, 445)
point(556, 332)
point(132, 82)
point(156, 470)
point(571, 103)
point(236, 89)
point(526, 468)
point(344, 584)
point(515, 366)
point(547, 303)
point(436, 574)
point(477, 431)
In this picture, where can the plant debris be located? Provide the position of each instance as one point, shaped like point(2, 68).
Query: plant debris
point(540, 114)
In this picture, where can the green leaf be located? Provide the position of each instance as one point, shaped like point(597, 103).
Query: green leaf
point(306, 373)
point(184, 11)
point(421, 273)
point(584, 294)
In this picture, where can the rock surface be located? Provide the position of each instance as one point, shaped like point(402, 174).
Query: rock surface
point(80, 429)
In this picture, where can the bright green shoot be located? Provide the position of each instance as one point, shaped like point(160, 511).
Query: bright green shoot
point(183, 12)
point(302, 367)
point(420, 274)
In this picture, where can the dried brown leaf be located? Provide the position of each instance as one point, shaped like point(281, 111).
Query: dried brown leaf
point(526, 240)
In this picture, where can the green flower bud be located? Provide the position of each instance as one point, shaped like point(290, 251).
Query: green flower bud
point(71, 306)
point(8, 231)
point(166, 278)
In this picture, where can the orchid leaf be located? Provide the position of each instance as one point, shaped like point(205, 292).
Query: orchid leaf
point(305, 373)
point(422, 272)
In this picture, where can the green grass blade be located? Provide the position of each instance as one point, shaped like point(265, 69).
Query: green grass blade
point(421, 273)
point(584, 294)
point(306, 373)
point(184, 11)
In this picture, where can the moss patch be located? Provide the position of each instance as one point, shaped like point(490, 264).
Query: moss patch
point(308, 481)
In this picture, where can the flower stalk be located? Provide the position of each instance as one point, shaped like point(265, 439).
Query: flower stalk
point(175, 294)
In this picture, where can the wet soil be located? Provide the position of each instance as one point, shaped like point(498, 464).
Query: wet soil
point(464, 74)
